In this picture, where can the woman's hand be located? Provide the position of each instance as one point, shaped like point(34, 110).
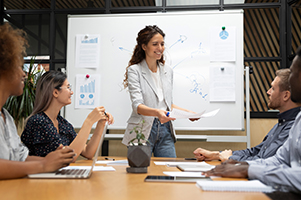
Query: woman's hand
point(59, 158)
point(162, 116)
point(109, 118)
point(97, 114)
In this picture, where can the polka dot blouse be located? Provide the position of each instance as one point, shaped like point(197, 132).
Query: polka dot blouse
point(41, 136)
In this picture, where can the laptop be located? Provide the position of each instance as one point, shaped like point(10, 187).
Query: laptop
point(73, 171)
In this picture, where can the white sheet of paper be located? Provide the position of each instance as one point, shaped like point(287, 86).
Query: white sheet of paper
point(223, 44)
point(174, 164)
point(87, 51)
point(184, 174)
point(222, 83)
point(96, 168)
point(87, 91)
point(195, 168)
point(110, 162)
point(180, 114)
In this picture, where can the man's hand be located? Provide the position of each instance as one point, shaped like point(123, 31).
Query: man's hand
point(233, 162)
point(224, 155)
point(203, 154)
point(229, 170)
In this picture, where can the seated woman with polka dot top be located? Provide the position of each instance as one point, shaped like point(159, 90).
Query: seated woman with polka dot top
point(46, 129)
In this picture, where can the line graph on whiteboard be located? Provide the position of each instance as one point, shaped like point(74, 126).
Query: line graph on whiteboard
point(188, 70)
point(186, 66)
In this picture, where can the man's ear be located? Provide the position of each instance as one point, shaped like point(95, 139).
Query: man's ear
point(55, 93)
point(287, 95)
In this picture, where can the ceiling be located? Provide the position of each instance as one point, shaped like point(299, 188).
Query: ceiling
point(69, 4)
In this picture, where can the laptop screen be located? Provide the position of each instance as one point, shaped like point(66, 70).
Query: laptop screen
point(99, 145)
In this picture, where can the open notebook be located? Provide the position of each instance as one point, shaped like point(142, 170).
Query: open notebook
point(73, 173)
point(237, 186)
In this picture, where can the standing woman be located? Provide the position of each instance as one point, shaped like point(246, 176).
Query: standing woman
point(150, 84)
point(14, 159)
point(46, 129)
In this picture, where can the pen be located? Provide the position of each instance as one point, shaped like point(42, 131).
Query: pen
point(106, 114)
point(190, 158)
point(110, 159)
point(167, 114)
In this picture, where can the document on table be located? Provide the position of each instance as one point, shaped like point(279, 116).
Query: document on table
point(180, 114)
point(96, 168)
point(184, 174)
point(195, 168)
point(239, 186)
point(175, 164)
point(110, 162)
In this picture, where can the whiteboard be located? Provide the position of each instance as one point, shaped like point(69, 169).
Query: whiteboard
point(187, 51)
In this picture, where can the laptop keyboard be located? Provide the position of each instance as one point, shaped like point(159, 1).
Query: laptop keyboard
point(75, 172)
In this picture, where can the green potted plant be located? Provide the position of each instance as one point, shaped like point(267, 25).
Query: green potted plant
point(20, 107)
point(139, 153)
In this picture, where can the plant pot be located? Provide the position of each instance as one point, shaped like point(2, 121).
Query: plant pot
point(138, 158)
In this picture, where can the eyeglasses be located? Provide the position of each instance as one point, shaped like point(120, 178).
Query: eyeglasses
point(69, 87)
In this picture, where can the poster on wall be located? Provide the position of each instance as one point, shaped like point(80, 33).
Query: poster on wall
point(87, 51)
point(87, 91)
point(223, 44)
point(222, 82)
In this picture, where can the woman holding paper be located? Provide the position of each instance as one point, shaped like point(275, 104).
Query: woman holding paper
point(150, 84)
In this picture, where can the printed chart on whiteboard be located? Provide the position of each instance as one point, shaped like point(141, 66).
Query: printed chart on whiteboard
point(87, 51)
point(86, 87)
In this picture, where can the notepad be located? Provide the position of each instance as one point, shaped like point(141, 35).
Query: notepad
point(195, 168)
point(238, 186)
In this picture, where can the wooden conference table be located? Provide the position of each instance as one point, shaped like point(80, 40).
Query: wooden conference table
point(117, 184)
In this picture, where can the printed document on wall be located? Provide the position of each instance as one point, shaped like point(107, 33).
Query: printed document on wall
point(86, 95)
point(223, 44)
point(87, 51)
point(222, 83)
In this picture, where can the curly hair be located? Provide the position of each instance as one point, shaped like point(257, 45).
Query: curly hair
point(13, 43)
point(144, 36)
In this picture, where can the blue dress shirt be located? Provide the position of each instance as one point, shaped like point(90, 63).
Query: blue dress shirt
point(283, 170)
point(272, 141)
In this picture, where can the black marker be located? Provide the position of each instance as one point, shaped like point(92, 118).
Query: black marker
point(190, 158)
point(110, 159)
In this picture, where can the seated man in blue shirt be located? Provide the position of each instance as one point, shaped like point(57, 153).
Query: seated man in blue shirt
point(280, 99)
point(283, 170)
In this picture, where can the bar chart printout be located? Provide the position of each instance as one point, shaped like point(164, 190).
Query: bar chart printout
point(86, 95)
